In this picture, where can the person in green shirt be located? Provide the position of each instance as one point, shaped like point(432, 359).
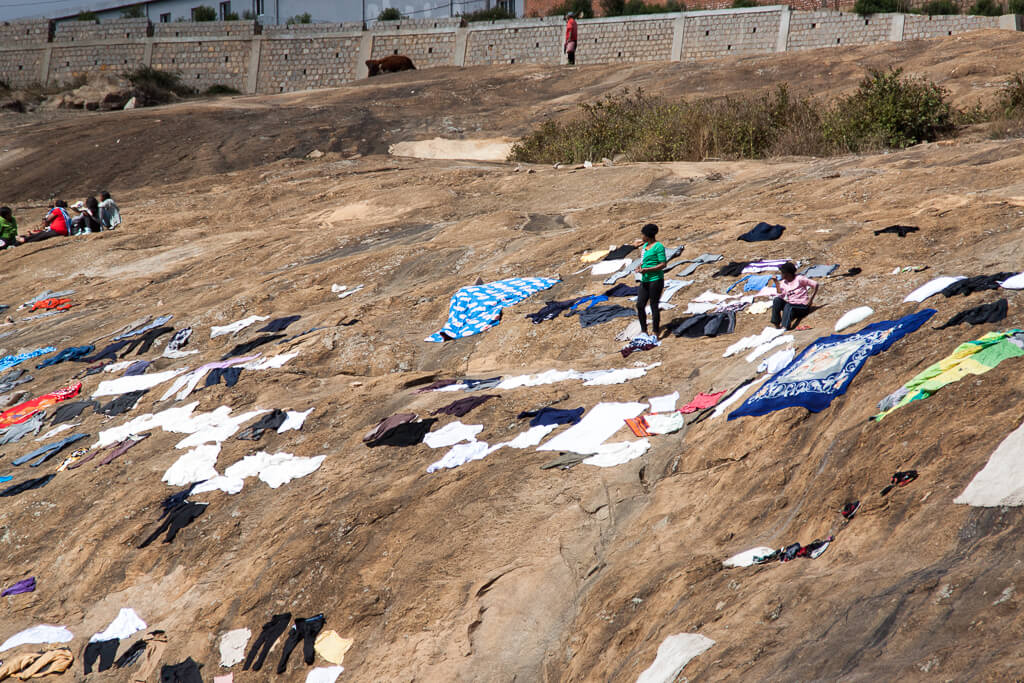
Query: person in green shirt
point(652, 277)
point(8, 227)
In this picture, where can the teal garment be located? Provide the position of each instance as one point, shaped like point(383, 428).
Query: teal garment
point(652, 256)
point(8, 229)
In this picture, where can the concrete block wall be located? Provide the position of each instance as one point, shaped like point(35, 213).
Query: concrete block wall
point(21, 68)
point(250, 58)
point(424, 49)
point(69, 63)
point(416, 24)
point(205, 63)
point(826, 28)
point(205, 29)
point(647, 40)
point(300, 64)
point(108, 31)
point(716, 34)
point(504, 43)
point(300, 30)
point(20, 34)
point(919, 27)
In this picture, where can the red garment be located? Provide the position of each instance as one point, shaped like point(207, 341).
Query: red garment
point(24, 411)
point(58, 225)
point(702, 401)
point(570, 30)
point(56, 304)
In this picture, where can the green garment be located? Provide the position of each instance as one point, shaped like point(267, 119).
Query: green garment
point(652, 256)
point(8, 229)
point(970, 358)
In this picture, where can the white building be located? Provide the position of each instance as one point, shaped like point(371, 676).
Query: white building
point(267, 11)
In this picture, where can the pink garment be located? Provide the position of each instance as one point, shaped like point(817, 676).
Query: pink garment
point(702, 401)
point(798, 291)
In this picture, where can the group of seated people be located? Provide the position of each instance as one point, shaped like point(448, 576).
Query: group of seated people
point(91, 216)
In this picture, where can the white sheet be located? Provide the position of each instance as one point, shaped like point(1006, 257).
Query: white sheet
point(1001, 481)
point(612, 454)
point(766, 335)
point(43, 633)
point(746, 558)
point(124, 624)
point(324, 674)
point(232, 646)
point(664, 404)
point(853, 317)
point(124, 385)
point(451, 434)
point(236, 326)
point(596, 427)
point(931, 288)
point(1015, 282)
point(609, 267)
point(674, 653)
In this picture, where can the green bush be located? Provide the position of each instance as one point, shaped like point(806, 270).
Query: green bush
point(231, 16)
point(866, 7)
point(986, 8)
point(204, 13)
point(737, 4)
point(889, 111)
point(248, 15)
point(1016, 6)
point(153, 86)
point(304, 18)
point(134, 12)
point(389, 14)
point(493, 14)
point(935, 7)
point(87, 16)
point(582, 8)
point(644, 128)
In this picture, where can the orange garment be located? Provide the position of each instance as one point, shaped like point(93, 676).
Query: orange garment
point(24, 411)
point(702, 401)
point(638, 425)
point(54, 304)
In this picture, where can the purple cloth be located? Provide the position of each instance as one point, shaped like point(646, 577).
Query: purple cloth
point(139, 367)
point(24, 586)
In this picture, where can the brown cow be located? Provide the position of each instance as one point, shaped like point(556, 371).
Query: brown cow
point(389, 64)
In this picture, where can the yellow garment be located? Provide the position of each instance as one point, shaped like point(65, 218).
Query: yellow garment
point(332, 647)
point(36, 665)
point(594, 256)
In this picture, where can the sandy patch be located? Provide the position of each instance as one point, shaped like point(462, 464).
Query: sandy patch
point(493, 149)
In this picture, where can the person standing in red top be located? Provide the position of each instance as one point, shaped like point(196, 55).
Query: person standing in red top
point(570, 37)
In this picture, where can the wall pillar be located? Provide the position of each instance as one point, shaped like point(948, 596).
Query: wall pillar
point(255, 47)
point(678, 32)
point(365, 50)
point(1009, 22)
point(147, 51)
point(44, 66)
point(782, 41)
point(461, 42)
point(896, 28)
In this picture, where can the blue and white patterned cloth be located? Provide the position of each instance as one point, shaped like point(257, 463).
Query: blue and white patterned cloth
point(478, 307)
point(10, 361)
point(825, 369)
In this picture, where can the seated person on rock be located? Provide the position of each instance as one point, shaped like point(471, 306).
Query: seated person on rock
point(796, 296)
point(86, 221)
point(110, 215)
point(56, 224)
point(8, 228)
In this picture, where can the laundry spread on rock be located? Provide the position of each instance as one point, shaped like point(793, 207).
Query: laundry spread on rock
point(826, 368)
point(477, 308)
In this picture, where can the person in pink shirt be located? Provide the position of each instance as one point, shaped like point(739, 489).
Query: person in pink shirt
point(796, 296)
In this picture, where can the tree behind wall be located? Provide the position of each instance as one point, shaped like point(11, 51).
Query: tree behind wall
point(87, 16)
point(389, 14)
point(204, 13)
point(304, 18)
point(582, 8)
point(134, 12)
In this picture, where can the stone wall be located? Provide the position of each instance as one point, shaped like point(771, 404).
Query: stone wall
point(205, 63)
point(528, 42)
point(826, 28)
point(70, 63)
point(109, 31)
point(917, 27)
point(424, 49)
point(205, 29)
point(251, 58)
point(715, 34)
point(20, 68)
point(20, 34)
point(301, 64)
point(646, 40)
